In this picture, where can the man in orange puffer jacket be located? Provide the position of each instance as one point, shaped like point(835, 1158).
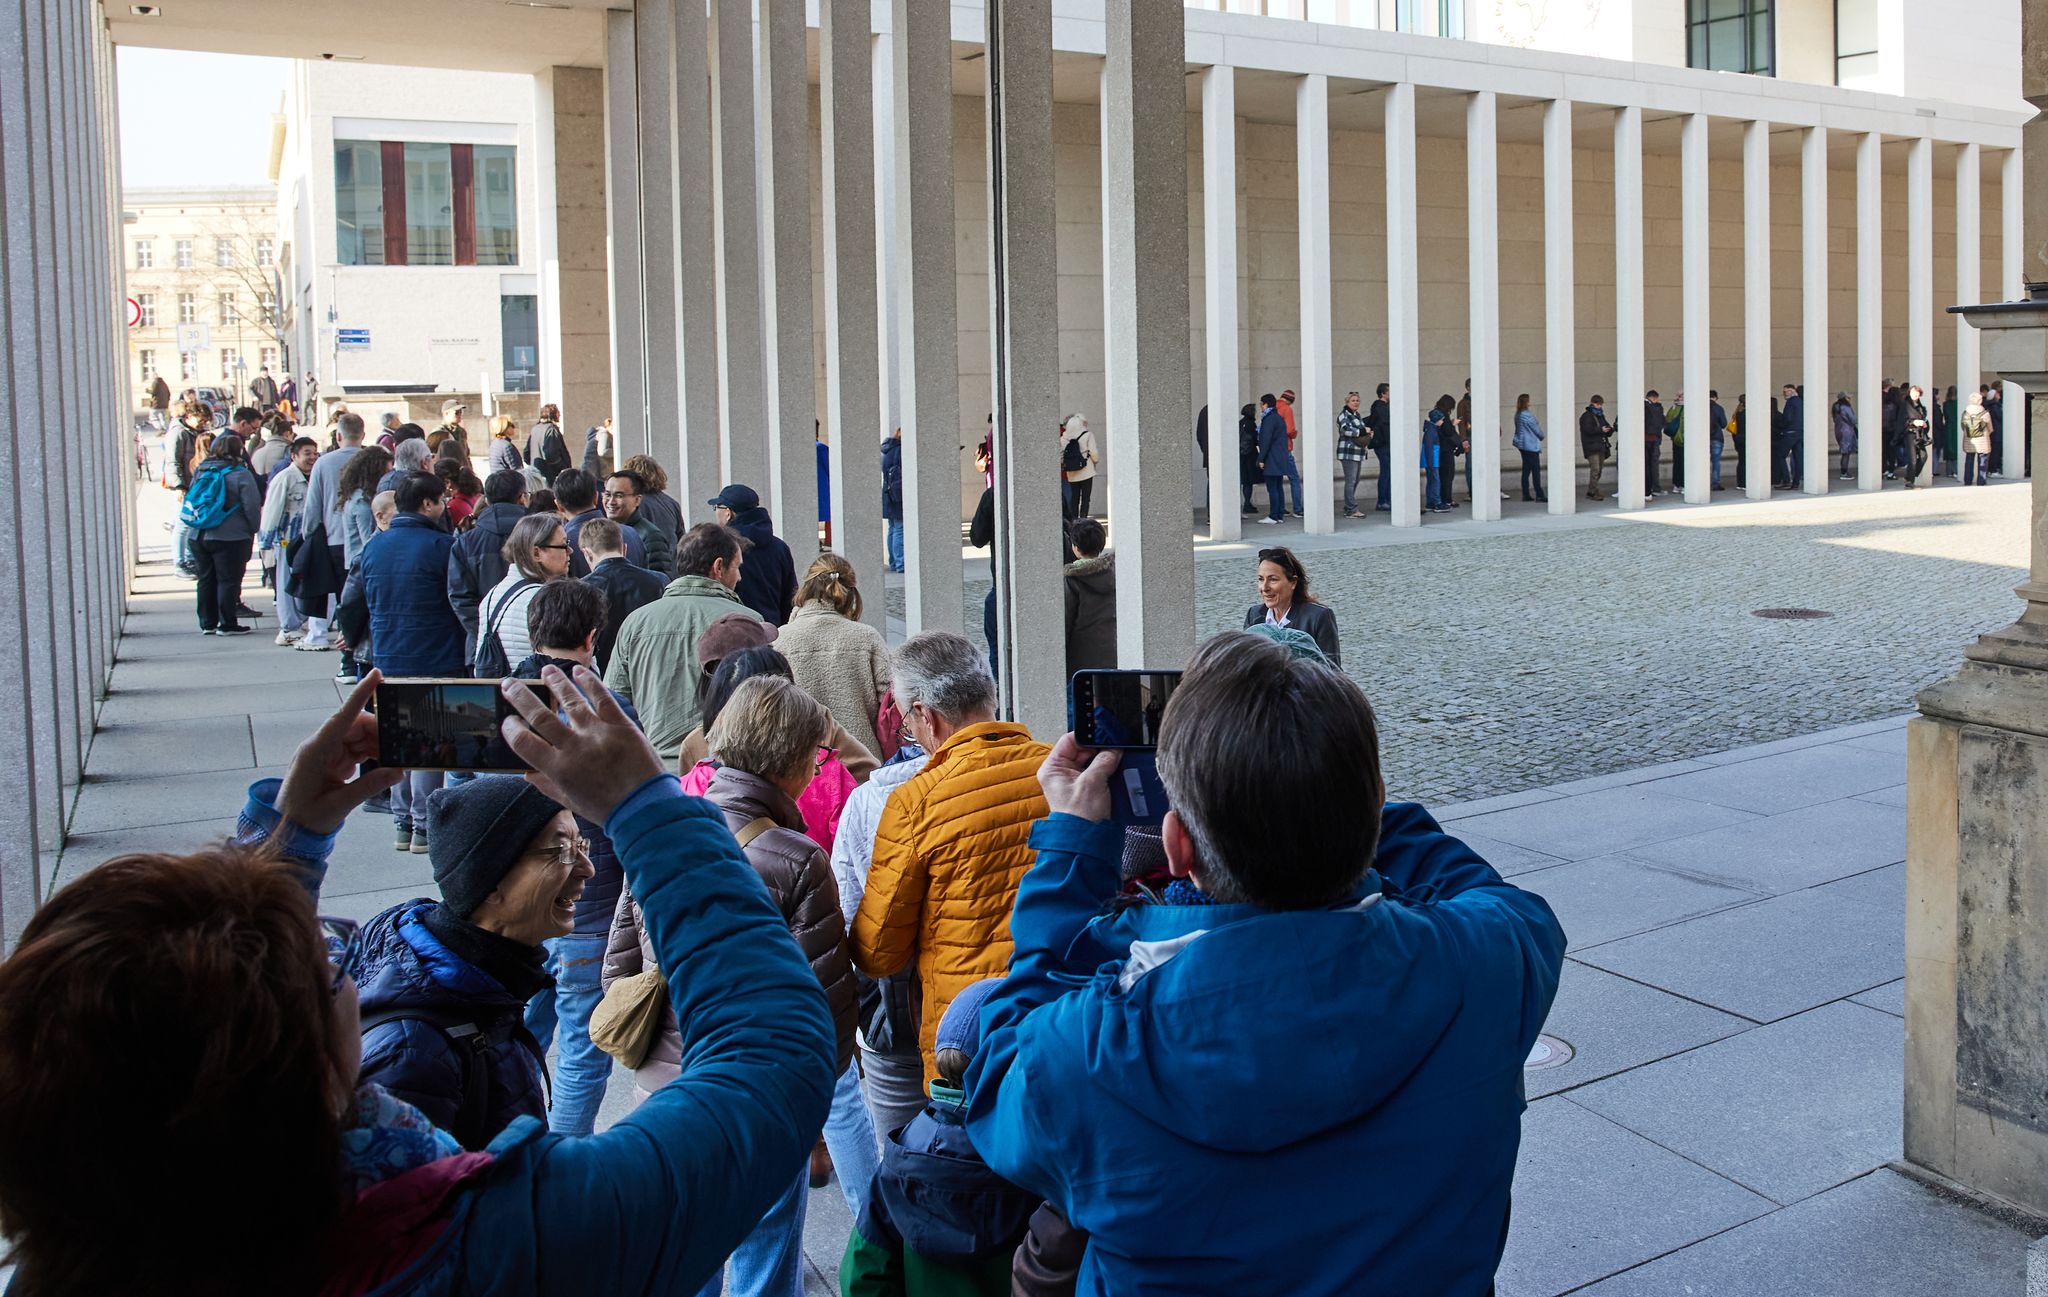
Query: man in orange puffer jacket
point(953, 841)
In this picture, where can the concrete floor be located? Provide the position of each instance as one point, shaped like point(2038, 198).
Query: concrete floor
point(1731, 998)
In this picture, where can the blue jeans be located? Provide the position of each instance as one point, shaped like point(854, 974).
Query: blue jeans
point(583, 1069)
point(1973, 469)
point(1351, 468)
point(1714, 460)
point(1274, 496)
point(850, 1139)
point(1434, 495)
point(770, 1261)
point(895, 530)
point(1299, 507)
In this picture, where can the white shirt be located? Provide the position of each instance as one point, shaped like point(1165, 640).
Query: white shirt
point(853, 849)
point(1271, 620)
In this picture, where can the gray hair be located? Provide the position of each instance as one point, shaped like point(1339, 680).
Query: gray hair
point(411, 456)
point(946, 673)
point(769, 727)
point(349, 427)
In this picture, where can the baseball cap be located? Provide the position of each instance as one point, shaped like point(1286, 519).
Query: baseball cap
point(737, 498)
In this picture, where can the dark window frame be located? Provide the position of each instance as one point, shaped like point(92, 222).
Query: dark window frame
point(1697, 21)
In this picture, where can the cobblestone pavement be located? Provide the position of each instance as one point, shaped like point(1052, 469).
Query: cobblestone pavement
point(1510, 662)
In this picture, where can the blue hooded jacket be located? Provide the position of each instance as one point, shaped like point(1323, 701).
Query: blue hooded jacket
point(1233, 1100)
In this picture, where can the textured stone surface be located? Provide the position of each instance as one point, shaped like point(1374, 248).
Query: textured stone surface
point(1783, 853)
point(1613, 1024)
point(1614, 896)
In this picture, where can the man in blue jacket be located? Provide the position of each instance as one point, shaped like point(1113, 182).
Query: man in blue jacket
point(1276, 459)
point(1301, 1072)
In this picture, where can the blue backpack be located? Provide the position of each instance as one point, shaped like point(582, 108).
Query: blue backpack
point(206, 502)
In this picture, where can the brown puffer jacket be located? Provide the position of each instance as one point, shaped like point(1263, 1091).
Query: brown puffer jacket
point(799, 878)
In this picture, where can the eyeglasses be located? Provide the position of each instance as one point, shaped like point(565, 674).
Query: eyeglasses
point(567, 852)
point(344, 939)
point(824, 755)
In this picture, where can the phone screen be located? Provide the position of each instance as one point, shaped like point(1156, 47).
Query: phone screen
point(444, 725)
point(1121, 709)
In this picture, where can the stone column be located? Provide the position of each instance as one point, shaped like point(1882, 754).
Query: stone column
point(853, 398)
point(654, 67)
point(1969, 273)
point(1404, 309)
point(1315, 450)
point(1813, 250)
point(1920, 277)
point(1219, 289)
point(1693, 194)
point(742, 388)
point(2012, 257)
point(1870, 312)
point(792, 410)
point(889, 342)
point(921, 43)
point(1146, 279)
point(1024, 334)
point(1482, 259)
point(575, 335)
point(63, 36)
point(1628, 305)
point(1562, 400)
point(622, 208)
point(1756, 306)
point(702, 472)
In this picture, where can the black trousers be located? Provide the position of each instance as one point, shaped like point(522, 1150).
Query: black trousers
point(221, 565)
point(1084, 495)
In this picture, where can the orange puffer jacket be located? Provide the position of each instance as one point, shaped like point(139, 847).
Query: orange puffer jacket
point(950, 851)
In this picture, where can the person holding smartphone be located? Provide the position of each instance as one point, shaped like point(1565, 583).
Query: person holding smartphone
point(1284, 601)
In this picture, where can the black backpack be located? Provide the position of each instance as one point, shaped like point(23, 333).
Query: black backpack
point(471, 1039)
point(490, 662)
point(1071, 458)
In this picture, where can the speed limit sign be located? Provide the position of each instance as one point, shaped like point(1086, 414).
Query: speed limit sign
point(134, 312)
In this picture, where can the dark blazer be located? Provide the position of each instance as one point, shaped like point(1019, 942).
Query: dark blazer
point(1273, 451)
point(627, 588)
point(1312, 619)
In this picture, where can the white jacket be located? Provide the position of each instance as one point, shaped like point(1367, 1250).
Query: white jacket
point(853, 849)
point(1087, 440)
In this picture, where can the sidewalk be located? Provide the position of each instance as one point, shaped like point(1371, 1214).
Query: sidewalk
point(1724, 1095)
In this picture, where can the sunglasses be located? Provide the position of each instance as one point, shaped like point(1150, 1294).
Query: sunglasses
point(344, 939)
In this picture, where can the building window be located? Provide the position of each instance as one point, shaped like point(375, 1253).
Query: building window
point(223, 252)
point(1856, 43)
point(410, 204)
point(147, 301)
point(228, 361)
point(1730, 35)
point(227, 308)
point(266, 253)
point(184, 254)
point(269, 307)
point(145, 255)
point(268, 357)
point(148, 359)
point(188, 366)
point(1430, 17)
point(188, 309)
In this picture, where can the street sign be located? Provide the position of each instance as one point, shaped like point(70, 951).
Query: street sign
point(194, 337)
point(352, 339)
point(134, 312)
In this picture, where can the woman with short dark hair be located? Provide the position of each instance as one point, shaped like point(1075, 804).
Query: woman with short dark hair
point(1284, 601)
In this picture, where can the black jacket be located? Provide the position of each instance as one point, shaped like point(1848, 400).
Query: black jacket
point(627, 588)
point(1314, 620)
point(476, 564)
point(1382, 429)
point(1653, 420)
point(546, 450)
point(1593, 430)
point(768, 571)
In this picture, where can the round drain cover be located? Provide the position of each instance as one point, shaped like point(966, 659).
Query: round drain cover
point(1549, 1052)
point(1791, 614)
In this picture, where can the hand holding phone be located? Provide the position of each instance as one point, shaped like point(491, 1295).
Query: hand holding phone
point(452, 724)
point(1120, 709)
point(1076, 781)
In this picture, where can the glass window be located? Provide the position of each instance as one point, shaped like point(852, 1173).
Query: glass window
point(188, 366)
point(1855, 42)
point(145, 254)
point(227, 308)
point(1730, 35)
point(429, 206)
point(269, 357)
point(266, 253)
point(497, 205)
point(1450, 19)
point(269, 307)
point(184, 254)
point(358, 203)
point(188, 309)
point(223, 252)
point(148, 359)
point(227, 363)
point(147, 301)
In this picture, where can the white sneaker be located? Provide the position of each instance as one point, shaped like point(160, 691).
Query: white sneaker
point(287, 637)
point(1270, 522)
point(308, 646)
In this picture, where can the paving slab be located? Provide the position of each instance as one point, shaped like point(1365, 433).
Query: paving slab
point(1769, 960)
point(1883, 889)
point(1450, 811)
point(1787, 1110)
point(1509, 859)
point(1592, 1199)
point(1602, 823)
point(1788, 780)
point(192, 746)
point(1893, 796)
point(1891, 998)
point(1789, 851)
point(1616, 896)
point(1626, 778)
point(1879, 1236)
point(1890, 741)
point(278, 734)
point(1613, 1024)
point(213, 796)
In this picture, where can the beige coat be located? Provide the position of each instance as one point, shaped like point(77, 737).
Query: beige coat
point(840, 662)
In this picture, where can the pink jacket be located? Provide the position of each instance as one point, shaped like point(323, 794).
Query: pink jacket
point(821, 803)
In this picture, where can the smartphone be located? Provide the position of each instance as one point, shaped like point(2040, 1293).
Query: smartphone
point(1120, 709)
point(425, 724)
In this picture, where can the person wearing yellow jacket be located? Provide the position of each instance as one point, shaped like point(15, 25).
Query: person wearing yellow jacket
point(952, 845)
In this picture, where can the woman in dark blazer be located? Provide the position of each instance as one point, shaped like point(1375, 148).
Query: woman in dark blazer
point(1284, 601)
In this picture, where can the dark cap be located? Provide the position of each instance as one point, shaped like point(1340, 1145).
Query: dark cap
point(476, 832)
point(737, 498)
point(730, 634)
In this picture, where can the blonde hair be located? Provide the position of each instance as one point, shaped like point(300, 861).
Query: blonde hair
point(831, 581)
point(770, 728)
point(501, 426)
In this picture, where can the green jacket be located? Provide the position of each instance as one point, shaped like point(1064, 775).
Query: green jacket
point(654, 660)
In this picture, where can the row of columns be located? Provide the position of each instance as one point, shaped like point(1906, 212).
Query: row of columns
point(69, 513)
point(1563, 399)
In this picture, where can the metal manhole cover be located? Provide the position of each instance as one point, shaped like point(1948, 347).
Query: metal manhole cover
point(1791, 614)
point(1549, 1052)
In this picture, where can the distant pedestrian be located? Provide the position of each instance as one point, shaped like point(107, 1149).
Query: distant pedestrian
point(576, 497)
point(1738, 428)
point(1275, 459)
point(1077, 462)
point(1382, 444)
point(477, 561)
point(223, 510)
point(284, 505)
point(263, 388)
point(892, 496)
point(1717, 434)
point(1449, 444)
point(626, 586)
point(545, 448)
point(1674, 428)
point(1994, 405)
point(1596, 440)
point(623, 492)
point(1529, 441)
point(768, 581)
point(1947, 430)
point(1794, 420)
point(407, 457)
point(325, 568)
point(504, 451)
point(1653, 444)
point(1353, 437)
point(159, 394)
point(1248, 469)
point(1974, 426)
point(1091, 599)
point(656, 504)
point(1845, 430)
point(599, 445)
point(451, 428)
point(1919, 436)
point(309, 413)
point(1436, 425)
point(839, 659)
point(1284, 600)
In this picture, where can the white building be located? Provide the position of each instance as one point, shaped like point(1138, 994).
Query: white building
point(205, 259)
point(407, 201)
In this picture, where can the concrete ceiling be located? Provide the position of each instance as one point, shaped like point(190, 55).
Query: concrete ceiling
point(475, 35)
